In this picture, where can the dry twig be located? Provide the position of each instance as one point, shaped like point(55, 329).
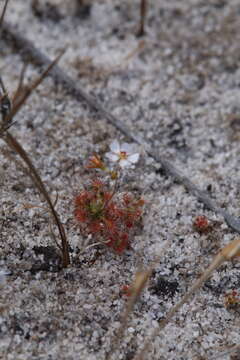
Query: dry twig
point(143, 12)
point(19, 99)
point(229, 252)
point(227, 352)
point(3, 12)
point(138, 285)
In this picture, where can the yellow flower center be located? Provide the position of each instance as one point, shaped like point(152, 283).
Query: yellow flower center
point(123, 155)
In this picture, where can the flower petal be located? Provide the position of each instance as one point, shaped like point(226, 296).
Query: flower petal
point(128, 148)
point(133, 158)
point(112, 157)
point(124, 163)
point(115, 146)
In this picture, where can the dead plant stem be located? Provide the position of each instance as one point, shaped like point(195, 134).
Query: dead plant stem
point(20, 98)
point(3, 12)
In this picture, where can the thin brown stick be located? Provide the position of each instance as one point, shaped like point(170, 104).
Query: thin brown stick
point(14, 144)
point(5, 103)
point(4, 128)
point(3, 12)
point(24, 95)
point(137, 287)
point(20, 83)
point(2, 86)
point(227, 352)
point(29, 51)
point(143, 12)
point(227, 253)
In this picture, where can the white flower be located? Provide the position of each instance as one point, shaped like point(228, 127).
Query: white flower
point(123, 154)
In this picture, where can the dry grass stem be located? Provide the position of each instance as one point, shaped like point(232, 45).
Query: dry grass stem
point(227, 352)
point(20, 87)
point(14, 144)
point(143, 12)
point(3, 12)
point(23, 93)
point(136, 288)
point(229, 252)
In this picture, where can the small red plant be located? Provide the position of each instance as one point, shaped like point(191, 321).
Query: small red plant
point(232, 300)
point(201, 224)
point(95, 163)
point(126, 290)
point(110, 217)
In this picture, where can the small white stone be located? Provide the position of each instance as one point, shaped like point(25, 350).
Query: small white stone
point(131, 329)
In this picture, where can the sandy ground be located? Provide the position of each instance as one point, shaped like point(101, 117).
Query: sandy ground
point(177, 87)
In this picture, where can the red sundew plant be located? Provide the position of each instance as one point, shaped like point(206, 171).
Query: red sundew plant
point(103, 212)
point(126, 291)
point(232, 300)
point(202, 224)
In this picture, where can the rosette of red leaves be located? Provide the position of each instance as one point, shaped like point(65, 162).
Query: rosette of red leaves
point(109, 217)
